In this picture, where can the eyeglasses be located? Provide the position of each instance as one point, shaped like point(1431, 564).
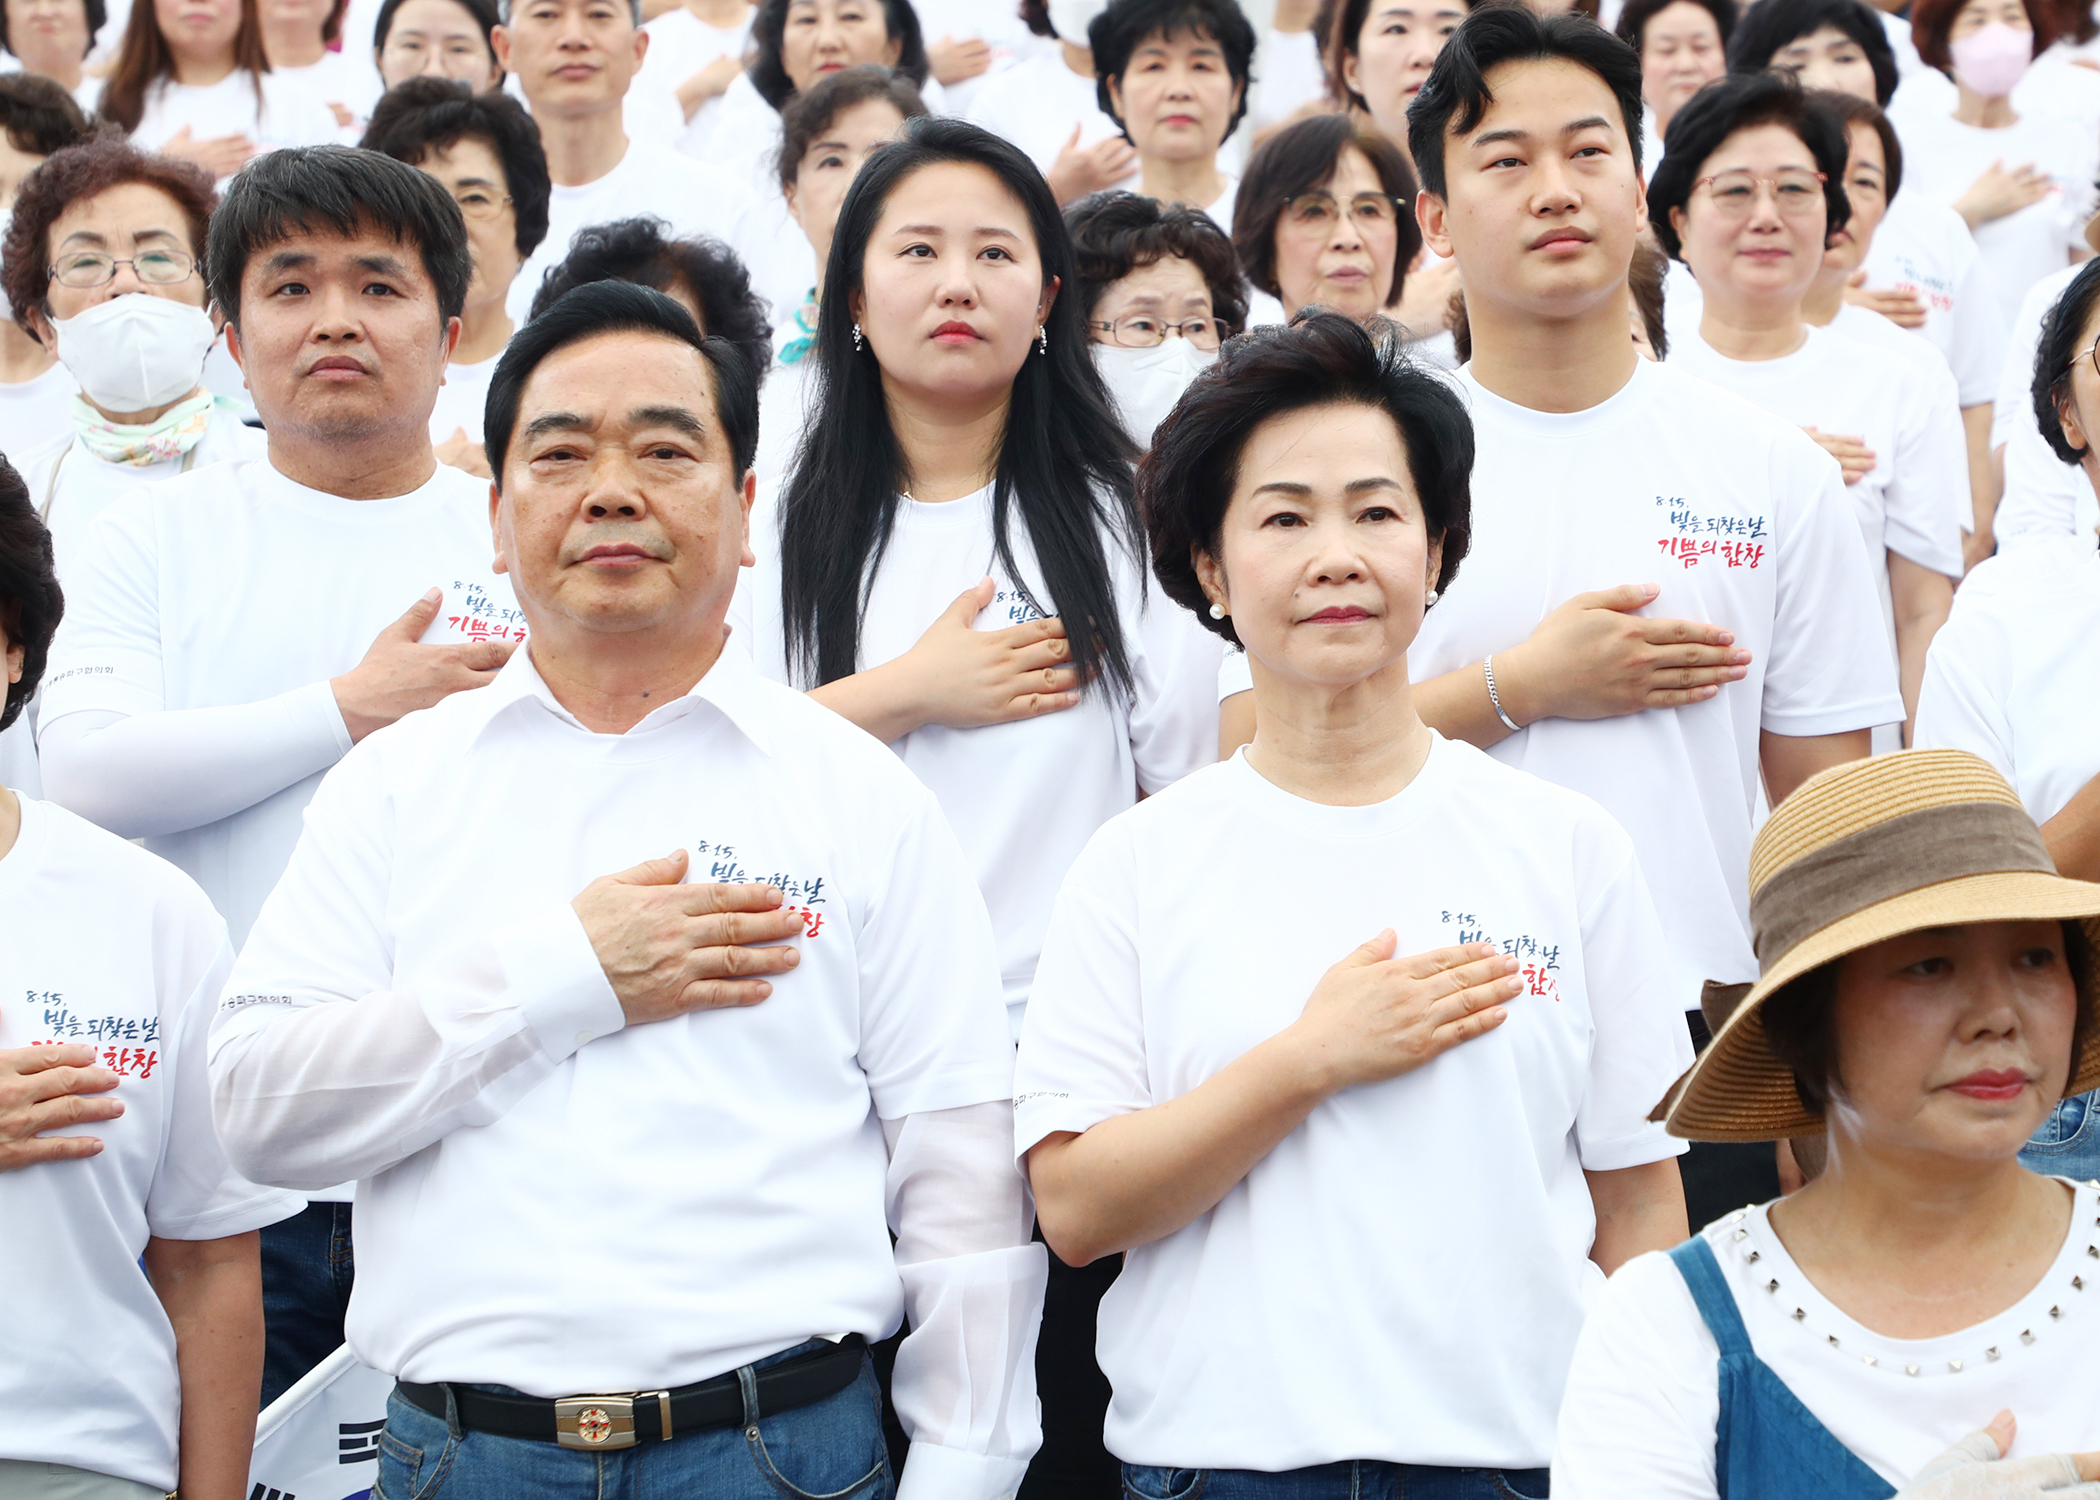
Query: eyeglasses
point(479, 205)
point(91, 268)
point(1318, 211)
point(1144, 331)
point(1796, 190)
point(2092, 354)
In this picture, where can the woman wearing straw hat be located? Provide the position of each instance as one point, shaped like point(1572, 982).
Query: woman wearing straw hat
point(1927, 995)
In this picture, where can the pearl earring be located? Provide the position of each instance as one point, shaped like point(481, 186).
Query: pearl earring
point(856, 338)
point(1042, 336)
point(1430, 598)
point(1217, 611)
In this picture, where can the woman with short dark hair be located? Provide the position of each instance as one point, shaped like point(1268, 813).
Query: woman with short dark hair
point(1379, 52)
point(1926, 996)
point(441, 38)
point(1683, 46)
point(1367, 1142)
point(1174, 75)
point(53, 41)
point(1326, 217)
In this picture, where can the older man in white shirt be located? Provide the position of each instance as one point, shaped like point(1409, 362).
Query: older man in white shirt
point(631, 1146)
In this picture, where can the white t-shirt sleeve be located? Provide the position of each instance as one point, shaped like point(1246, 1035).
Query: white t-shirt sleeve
point(1977, 348)
point(1174, 712)
point(1960, 707)
point(1642, 1046)
point(1643, 1394)
point(1927, 504)
point(1082, 1057)
point(107, 651)
point(1830, 668)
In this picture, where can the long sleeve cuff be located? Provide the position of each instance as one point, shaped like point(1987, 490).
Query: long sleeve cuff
point(932, 1472)
point(560, 988)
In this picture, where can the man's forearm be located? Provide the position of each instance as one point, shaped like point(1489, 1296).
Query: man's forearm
point(212, 1292)
point(1638, 1209)
point(2073, 835)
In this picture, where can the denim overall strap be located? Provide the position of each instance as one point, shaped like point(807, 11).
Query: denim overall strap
point(1767, 1445)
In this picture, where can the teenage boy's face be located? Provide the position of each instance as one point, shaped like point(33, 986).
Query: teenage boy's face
point(1542, 200)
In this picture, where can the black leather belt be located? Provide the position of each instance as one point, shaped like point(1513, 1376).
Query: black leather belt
point(624, 1418)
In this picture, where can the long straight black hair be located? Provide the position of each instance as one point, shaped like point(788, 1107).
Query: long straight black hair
point(1064, 463)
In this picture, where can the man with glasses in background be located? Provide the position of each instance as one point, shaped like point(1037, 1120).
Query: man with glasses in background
point(230, 634)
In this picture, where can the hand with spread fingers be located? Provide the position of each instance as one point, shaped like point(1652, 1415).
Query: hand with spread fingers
point(1374, 1016)
point(1976, 1469)
point(48, 1088)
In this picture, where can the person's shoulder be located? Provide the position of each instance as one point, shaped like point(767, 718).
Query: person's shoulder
point(1698, 409)
point(202, 502)
point(1521, 796)
point(799, 730)
point(2034, 579)
point(449, 487)
point(126, 875)
point(661, 163)
point(2043, 295)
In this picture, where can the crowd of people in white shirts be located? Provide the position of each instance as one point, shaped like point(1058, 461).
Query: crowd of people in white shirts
point(1235, 748)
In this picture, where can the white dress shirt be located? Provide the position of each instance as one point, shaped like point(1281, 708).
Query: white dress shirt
point(553, 1200)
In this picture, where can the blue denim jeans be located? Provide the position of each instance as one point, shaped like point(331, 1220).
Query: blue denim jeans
point(306, 1274)
point(2068, 1144)
point(831, 1449)
point(1362, 1479)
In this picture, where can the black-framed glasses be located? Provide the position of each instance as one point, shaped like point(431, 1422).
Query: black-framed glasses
point(1149, 331)
point(476, 203)
point(91, 268)
point(1318, 211)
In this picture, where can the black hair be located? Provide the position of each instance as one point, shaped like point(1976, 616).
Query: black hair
point(1299, 158)
point(422, 115)
point(97, 15)
point(1064, 462)
point(1741, 101)
point(484, 13)
point(1117, 232)
point(1185, 483)
point(769, 74)
point(619, 307)
point(30, 601)
point(1771, 26)
point(1340, 29)
point(1122, 28)
point(643, 252)
point(1633, 20)
point(1852, 110)
point(38, 115)
point(1455, 95)
point(810, 113)
point(344, 190)
point(2056, 354)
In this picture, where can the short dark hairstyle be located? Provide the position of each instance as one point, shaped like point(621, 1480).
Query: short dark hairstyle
point(1185, 483)
point(1341, 37)
point(641, 251)
point(1122, 28)
point(1932, 20)
point(769, 74)
point(1117, 232)
point(483, 11)
point(1799, 1021)
point(2056, 355)
point(1646, 277)
point(345, 190)
point(809, 114)
point(1299, 158)
point(1633, 20)
point(1455, 95)
point(1852, 110)
point(422, 115)
point(77, 172)
point(97, 15)
point(37, 113)
point(619, 307)
point(1771, 26)
point(30, 601)
point(1741, 101)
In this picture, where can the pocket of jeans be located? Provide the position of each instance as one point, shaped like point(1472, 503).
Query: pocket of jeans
point(2069, 1127)
point(1141, 1483)
point(1507, 1484)
point(399, 1466)
point(828, 1451)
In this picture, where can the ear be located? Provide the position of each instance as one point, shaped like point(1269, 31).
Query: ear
point(1211, 575)
point(1433, 217)
point(16, 655)
point(1115, 101)
point(1042, 309)
point(1352, 73)
point(233, 347)
point(1436, 561)
point(641, 45)
point(747, 558)
point(2067, 417)
point(499, 39)
point(1678, 222)
point(453, 326)
point(502, 560)
point(40, 329)
point(788, 195)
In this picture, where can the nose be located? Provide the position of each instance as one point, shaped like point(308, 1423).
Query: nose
point(126, 280)
point(612, 494)
point(433, 64)
point(830, 38)
point(1553, 195)
point(1347, 234)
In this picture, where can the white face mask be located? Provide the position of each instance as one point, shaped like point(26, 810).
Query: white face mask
point(1147, 382)
point(135, 351)
point(1070, 18)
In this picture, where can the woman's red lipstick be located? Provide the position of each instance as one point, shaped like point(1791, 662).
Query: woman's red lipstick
point(1993, 1084)
point(1337, 614)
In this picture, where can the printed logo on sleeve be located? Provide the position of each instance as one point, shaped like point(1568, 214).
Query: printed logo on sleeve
point(1734, 541)
point(1538, 961)
point(804, 894)
point(130, 1045)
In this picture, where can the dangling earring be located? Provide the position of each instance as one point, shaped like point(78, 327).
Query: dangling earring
point(856, 338)
point(1042, 336)
point(1430, 598)
point(1217, 611)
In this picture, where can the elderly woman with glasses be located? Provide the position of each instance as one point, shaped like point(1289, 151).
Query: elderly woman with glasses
point(1325, 217)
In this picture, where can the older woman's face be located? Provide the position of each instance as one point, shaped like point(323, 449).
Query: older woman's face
point(823, 36)
point(1828, 58)
point(1169, 291)
point(438, 38)
point(1324, 558)
point(1177, 96)
point(130, 222)
point(1954, 1041)
point(830, 164)
point(1335, 243)
point(1753, 227)
point(1867, 188)
point(1680, 54)
point(473, 174)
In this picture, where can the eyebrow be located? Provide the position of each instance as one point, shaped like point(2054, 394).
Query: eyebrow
point(96, 237)
point(487, 182)
point(1518, 133)
point(675, 417)
point(1353, 487)
point(993, 230)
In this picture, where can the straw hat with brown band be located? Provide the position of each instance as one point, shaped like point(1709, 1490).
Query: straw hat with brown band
point(1863, 852)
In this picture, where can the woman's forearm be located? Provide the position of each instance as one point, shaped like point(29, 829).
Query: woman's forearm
point(1921, 599)
point(2073, 835)
point(873, 700)
point(212, 1292)
point(1141, 1177)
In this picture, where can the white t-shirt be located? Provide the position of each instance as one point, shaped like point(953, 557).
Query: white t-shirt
point(1404, 1275)
point(338, 80)
point(1942, 158)
point(234, 585)
point(463, 399)
point(680, 45)
point(2043, 498)
point(285, 113)
point(1037, 104)
point(997, 783)
point(1288, 75)
point(2009, 675)
point(109, 947)
point(1000, 26)
point(692, 196)
point(36, 415)
point(1924, 247)
point(783, 407)
point(70, 487)
point(1643, 1402)
point(1745, 524)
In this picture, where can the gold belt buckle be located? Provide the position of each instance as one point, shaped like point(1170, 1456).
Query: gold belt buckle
point(595, 1423)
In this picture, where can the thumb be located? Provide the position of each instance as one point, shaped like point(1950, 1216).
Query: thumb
point(459, 434)
point(1376, 951)
point(1072, 140)
point(1625, 597)
point(179, 137)
point(417, 617)
point(2000, 1431)
point(666, 871)
point(971, 601)
point(1857, 278)
point(1980, 1447)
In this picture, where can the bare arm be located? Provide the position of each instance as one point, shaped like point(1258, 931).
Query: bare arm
point(212, 1291)
point(1638, 1209)
point(1140, 1177)
point(1922, 599)
point(1790, 759)
point(1986, 480)
point(2073, 835)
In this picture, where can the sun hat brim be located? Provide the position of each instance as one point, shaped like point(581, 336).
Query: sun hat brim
point(1738, 1091)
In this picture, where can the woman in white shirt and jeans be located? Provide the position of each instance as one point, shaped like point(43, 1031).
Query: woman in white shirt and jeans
point(1346, 1043)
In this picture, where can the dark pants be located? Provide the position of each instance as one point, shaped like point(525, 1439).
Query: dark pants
point(1364, 1479)
point(306, 1275)
point(1072, 1464)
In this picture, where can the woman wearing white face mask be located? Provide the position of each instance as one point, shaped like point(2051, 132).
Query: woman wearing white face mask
point(2022, 179)
point(1161, 289)
point(102, 266)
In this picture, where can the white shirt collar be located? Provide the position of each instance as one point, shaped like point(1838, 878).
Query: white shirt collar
point(731, 687)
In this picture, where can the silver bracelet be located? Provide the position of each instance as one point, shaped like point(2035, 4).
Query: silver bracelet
point(1495, 698)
